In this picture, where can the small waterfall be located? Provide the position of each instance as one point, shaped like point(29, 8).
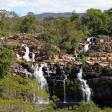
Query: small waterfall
point(27, 55)
point(27, 73)
point(86, 47)
point(89, 41)
point(33, 57)
point(27, 52)
point(64, 86)
point(18, 56)
point(84, 86)
point(38, 74)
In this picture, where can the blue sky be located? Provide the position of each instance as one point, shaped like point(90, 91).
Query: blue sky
point(40, 6)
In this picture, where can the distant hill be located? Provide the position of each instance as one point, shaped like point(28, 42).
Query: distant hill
point(55, 15)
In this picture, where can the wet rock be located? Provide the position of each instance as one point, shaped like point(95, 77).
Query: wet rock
point(102, 90)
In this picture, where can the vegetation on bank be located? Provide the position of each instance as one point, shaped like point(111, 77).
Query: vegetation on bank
point(6, 60)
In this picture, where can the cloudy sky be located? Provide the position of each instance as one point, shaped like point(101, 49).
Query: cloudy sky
point(40, 6)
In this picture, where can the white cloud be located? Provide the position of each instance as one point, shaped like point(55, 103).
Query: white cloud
point(39, 6)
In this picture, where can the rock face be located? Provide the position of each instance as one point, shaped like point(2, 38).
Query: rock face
point(101, 51)
point(102, 90)
point(99, 79)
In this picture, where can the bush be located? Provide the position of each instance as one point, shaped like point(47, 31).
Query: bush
point(16, 87)
point(15, 106)
point(6, 59)
point(87, 107)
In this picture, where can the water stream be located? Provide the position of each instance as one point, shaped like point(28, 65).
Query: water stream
point(64, 87)
point(86, 91)
point(33, 57)
point(27, 52)
point(38, 74)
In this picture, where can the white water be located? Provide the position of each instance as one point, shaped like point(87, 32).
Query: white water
point(18, 56)
point(88, 39)
point(84, 86)
point(26, 56)
point(64, 86)
point(27, 73)
point(86, 47)
point(38, 74)
point(33, 57)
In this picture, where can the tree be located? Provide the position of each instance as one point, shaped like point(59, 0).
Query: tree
point(28, 24)
point(62, 33)
point(74, 16)
point(109, 12)
point(95, 21)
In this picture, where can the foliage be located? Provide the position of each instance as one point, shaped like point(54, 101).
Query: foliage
point(87, 107)
point(81, 107)
point(16, 87)
point(15, 106)
point(16, 94)
point(28, 24)
point(63, 34)
point(6, 59)
point(95, 22)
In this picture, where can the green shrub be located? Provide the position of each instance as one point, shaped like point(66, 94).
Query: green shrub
point(16, 87)
point(87, 107)
point(15, 106)
point(6, 59)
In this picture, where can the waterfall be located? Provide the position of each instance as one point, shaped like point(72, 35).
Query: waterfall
point(27, 73)
point(89, 41)
point(86, 91)
point(38, 74)
point(18, 56)
point(26, 56)
point(64, 86)
point(86, 47)
point(33, 57)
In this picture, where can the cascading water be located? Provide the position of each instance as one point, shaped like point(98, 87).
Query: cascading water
point(33, 57)
point(18, 56)
point(84, 86)
point(27, 73)
point(86, 47)
point(38, 74)
point(64, 86)
point(26, 56)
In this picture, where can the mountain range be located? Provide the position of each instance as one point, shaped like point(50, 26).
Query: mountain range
point(55, 15)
